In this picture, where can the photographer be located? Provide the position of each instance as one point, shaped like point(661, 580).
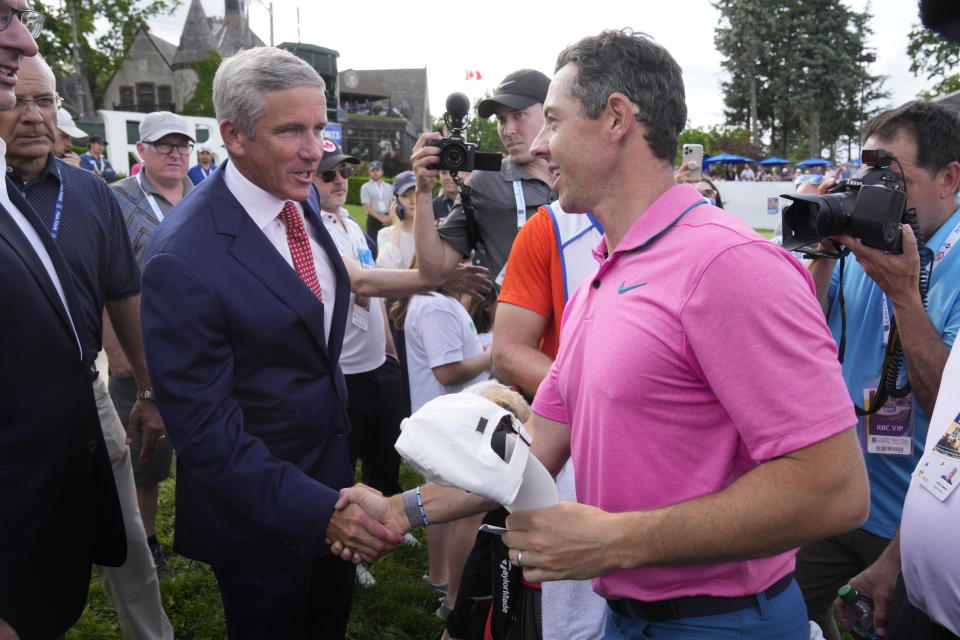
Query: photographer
point(502, 200)
point(882, 296)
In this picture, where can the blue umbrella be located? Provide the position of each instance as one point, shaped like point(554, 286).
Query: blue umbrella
point(727, 158)
point(773, 161)
point(815, 162)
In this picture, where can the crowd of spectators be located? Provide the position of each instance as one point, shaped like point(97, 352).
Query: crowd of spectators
point(253, 329)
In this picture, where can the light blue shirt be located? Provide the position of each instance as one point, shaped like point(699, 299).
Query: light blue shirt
point(890, 474)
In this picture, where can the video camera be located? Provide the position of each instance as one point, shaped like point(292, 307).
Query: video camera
point(869, 206)
point(456, 154)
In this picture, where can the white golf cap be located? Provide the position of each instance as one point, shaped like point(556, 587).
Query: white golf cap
point(450, 440)
point(66, 124)
point(161, 123)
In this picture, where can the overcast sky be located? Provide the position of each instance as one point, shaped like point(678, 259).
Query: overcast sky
point(499, 36)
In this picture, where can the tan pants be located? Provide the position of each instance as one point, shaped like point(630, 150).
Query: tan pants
point(133, 588)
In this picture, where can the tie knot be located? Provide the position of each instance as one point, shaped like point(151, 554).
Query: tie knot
point(290, 215)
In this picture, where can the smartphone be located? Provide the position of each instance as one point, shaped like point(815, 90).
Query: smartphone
point(490, 528)
point(693, 160)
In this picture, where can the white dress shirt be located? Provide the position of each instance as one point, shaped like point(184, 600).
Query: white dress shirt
point(264, 209)
point(34, 238)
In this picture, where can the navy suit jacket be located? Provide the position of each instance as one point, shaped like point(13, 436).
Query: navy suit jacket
point(251, 393)
point(58, 504)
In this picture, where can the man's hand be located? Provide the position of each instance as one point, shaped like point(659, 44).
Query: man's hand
point(425, 156)
point(357, 536)
point(7, 632)
point(71, 158)
point(383, 510)
point(877, 582)
point(897, 275)
point(568, 541)
point(145, 419)
point(470, 279)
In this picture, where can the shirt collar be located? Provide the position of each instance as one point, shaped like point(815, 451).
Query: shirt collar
point(660, 216)
point(149, 188)
point(46, 173)
point(945, 229)
point(261, 206)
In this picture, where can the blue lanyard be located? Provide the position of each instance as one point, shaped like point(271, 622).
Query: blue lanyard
point(58, 208)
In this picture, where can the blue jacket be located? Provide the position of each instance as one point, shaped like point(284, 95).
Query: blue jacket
point(251, 393)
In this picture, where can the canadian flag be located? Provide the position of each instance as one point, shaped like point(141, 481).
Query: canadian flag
point(473, 75)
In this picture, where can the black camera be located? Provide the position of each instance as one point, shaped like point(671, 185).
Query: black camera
point(456, 154)
point(869, 206)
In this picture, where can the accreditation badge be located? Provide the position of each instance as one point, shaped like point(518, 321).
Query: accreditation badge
point(889, 431)
point(937, 471)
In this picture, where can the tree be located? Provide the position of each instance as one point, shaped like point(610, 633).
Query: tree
point(201, 102)
point(98, 52)
point(936, 58)
point(808, 80)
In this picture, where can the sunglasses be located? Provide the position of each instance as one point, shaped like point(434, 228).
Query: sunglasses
point(331, 175)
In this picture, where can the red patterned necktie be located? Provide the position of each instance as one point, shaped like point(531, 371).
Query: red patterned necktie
point(300, 249)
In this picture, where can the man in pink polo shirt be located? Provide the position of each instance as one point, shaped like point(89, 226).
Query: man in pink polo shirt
point(696, 387)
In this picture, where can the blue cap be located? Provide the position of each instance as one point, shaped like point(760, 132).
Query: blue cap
point(403, 183)
point(376, 164)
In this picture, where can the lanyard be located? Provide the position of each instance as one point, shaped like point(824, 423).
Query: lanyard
point(99, 163)
point(151, 200)
point(58, 208)
point(938, 257)
point(521, 203)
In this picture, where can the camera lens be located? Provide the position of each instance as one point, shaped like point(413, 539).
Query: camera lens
point(452, 156)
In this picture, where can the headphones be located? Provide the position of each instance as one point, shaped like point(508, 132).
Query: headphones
point(401, 210)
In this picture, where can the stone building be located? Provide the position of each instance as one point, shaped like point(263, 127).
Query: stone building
point(156, 75)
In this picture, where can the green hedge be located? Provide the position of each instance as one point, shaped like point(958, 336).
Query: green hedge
point(355, 184)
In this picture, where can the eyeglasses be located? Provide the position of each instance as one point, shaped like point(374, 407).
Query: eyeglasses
point(708, 193)
point(31, 20)
point(166, 148)
point(44, 103)
point(331, 175)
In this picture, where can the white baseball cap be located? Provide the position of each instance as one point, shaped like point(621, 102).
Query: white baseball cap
point(66, 124)
point(451, 441)
point(162, 123)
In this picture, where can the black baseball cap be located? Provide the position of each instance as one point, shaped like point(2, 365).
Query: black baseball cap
point(333, 155)
point(518, 90)
point(97, 139)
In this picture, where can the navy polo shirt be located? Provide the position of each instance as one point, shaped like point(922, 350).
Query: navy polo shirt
point(91, 235)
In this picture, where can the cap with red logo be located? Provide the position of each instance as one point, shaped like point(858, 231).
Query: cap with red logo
point(333, 155)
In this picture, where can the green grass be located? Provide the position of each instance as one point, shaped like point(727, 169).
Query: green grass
point(399, 606)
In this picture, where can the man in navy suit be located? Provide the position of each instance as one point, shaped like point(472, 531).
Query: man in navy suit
point(59, 510)
point(244, 307)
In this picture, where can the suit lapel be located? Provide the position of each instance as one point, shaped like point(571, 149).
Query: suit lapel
point(19, 242)
point(253, 250)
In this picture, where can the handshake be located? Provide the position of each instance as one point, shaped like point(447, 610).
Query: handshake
point(365, 525)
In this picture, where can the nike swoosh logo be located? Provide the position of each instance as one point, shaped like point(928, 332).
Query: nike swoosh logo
point(503, 84)
point(623, 288)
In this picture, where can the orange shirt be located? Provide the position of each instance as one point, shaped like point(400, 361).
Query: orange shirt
point(534, 277)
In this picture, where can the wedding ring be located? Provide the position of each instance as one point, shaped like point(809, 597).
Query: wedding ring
point(520, 559)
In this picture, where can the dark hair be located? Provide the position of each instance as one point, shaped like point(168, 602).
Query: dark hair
point(632, 64)
point(714, 187)
point(935, 129)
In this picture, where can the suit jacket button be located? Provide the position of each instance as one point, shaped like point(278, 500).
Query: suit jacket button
point(92, 445)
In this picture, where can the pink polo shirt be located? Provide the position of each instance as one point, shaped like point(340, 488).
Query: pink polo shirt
point(696, 352)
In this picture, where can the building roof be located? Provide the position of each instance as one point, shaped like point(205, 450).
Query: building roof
point(197, 36)
point(408, 92)
point(951, 100)
point(167, 50)
point(361, 84)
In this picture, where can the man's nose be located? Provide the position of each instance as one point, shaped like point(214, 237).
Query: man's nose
point(540, 148)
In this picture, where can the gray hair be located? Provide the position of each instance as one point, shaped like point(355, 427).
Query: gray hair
point(244, 77)
point(632, 64)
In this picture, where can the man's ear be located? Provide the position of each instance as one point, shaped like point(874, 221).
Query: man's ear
point(620, 114)
point(234, 139)
point(949, 180)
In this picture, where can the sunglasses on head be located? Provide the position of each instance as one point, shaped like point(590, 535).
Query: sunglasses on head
point(331, 175)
